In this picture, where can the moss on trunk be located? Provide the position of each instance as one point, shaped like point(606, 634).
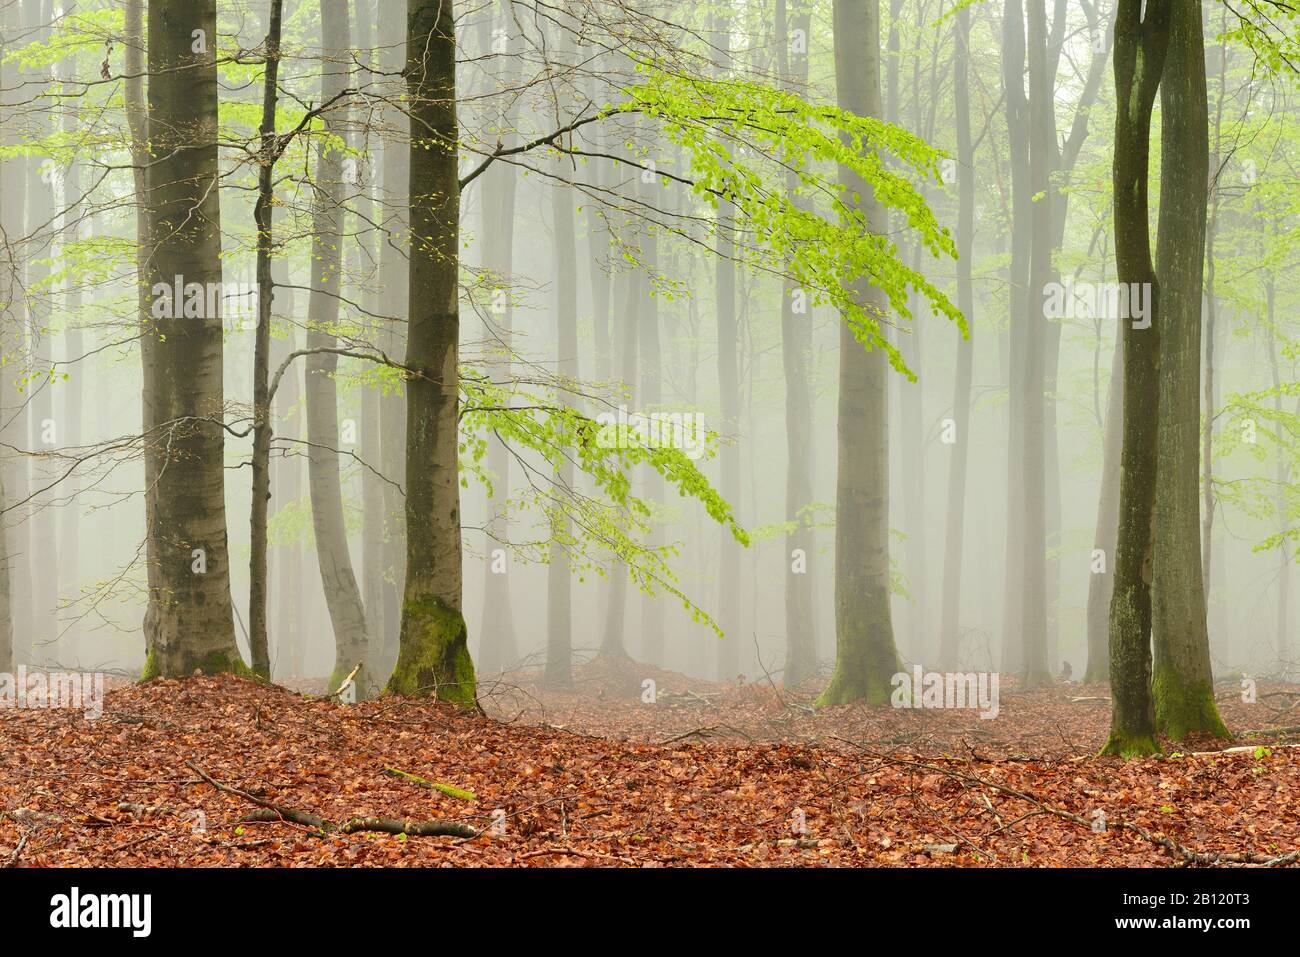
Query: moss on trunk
point(183, 665)
point(1183, 707)
point(847, 687)
point(1126, 745)
point(434, 658)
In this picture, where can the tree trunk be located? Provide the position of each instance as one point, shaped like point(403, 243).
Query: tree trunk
point(559, 583)
point(796, 355)
point(263, 424)
point(287, 484)
point(1282, 475)
point(365, 254)
point(434, 656)
point(1139, 60)
point(45, 432)
point(499, 642)
point(342, 596)
point(949, 632)
point(1101, 583)
point(631, 282)
point(137, 118)
point(1033, 623)
point(728, 611)
point(394, 271)
point(73, 400)
point(598, 255)
point(1182, 681)
point(1211, 323)
point(651, 360)
point(866, 658)
point(195, 623)
point(1022, 210)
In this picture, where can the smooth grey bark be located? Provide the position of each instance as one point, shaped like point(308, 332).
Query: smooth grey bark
point(37, 247)
point(433, 656)
point(631, 283)
point(1101, 584)
point(909, 339)
point(650, 354)
point(1182, 682)
point(287, 482)
point(1033, 622)
point(949, 635)
point(342, 595)
point(1211, 400)
point(194, 628)
point(137, 119)
point(1282, 474)
point(364, 253)
point(394, 283)
point(728, 360)
point(866, 657)
point(499, 641)
point(796, 357)
point(73, 393)
point(559, 578)
point(559, 585)
point(598, 254)
point(1017, 120)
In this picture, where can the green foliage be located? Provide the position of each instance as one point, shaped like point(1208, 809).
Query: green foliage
point(1269, 28)
point(532, 420)
point(742, 139)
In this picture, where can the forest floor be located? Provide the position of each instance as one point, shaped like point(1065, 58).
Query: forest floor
point(229, 772)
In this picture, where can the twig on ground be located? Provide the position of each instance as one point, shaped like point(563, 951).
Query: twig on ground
point(384, 825)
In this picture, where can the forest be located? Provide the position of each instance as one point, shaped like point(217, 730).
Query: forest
point(626, 433)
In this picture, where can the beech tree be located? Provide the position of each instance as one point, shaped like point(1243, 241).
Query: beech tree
point(191, 625)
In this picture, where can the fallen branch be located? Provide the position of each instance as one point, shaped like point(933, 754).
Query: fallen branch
point(18, 851)
point(712, 731)
point(275, 812)
point(447, 789)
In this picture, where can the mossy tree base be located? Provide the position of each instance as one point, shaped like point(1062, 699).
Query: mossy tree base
point(1184, 707)
point(869, 686)
point(184, 665)
point(434, 657)
point(1130, 745)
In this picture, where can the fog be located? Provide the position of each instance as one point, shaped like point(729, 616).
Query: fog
point(684, 313)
